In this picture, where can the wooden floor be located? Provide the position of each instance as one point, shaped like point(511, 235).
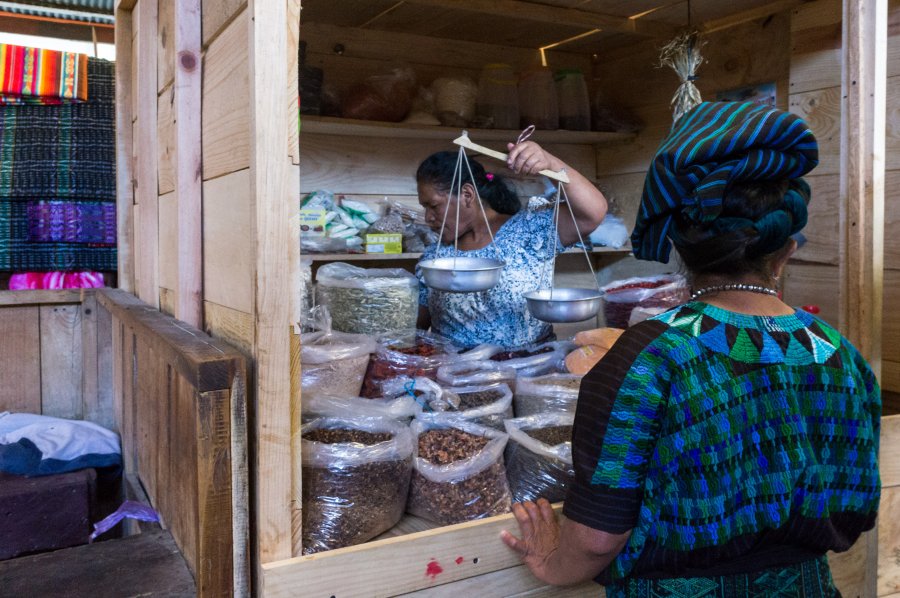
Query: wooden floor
point(147, 564)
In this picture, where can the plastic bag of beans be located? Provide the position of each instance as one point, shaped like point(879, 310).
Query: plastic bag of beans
point(620, 297)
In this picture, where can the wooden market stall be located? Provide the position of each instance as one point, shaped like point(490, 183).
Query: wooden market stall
point(211, 168)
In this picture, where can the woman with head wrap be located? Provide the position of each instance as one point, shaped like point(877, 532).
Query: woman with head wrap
point(723, 447)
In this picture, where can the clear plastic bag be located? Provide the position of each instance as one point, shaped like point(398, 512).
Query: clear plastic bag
point(483, 405)
point(546, 394)
point(401, 408)
point(356, 475)
point(476, 373)
point(449, 491)
point(539, 456)
point(481, 352)
point(368, 300)
point(620, 297)
point(386, 97)
point(454, 100)
point(334, 362)
point(535, 360)
point(411, 353)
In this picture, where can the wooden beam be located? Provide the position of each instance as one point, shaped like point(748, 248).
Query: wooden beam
point(124, 149)
point(752, 14)
point(274, 202)
point(146, 158)
point(863, 55)
point(189, 166)
point(57, 28)
point(863, 85)
point(541, 13)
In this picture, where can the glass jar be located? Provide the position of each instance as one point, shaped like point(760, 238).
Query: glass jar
point(574, 102)
point(538, 104)
point(498, 98)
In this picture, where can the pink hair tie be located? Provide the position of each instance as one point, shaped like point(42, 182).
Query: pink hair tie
point(489, 176)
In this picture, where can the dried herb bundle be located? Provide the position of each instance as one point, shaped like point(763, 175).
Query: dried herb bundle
point(682, 54)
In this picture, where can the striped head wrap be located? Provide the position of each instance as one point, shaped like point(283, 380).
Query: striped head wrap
point(711, 147)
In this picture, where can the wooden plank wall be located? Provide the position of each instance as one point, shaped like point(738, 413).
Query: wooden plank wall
point(180, 409)
point(747, 54)
point(51, 360)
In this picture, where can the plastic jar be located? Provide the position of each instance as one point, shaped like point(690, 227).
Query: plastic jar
point(498, 97)
point(574, 101)
point(538, 104)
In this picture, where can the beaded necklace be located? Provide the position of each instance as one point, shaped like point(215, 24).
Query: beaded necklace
point(739, 286)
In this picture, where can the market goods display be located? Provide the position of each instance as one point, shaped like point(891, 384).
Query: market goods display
point(411, 353)
point(356, 475)
point(368, 300)
point(484, 405)
point(334, 363)
point(458, 471)
point(539, 456)
point(620, 297)
point(476, 373)
point(535, 360)
point(546, 394)
point(329, 223)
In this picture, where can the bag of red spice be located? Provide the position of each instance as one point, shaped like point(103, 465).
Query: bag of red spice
point(412, 353)
point(620, 297)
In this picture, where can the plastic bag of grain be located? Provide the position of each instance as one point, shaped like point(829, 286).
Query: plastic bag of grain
point(484, 405)
point(334, 363)
point(535, 359)
point(539, 456)
point(401, 408)
point(368, 300)
point(544, 394)
point(458, 471)
point(411, 353)
point(356, 474)
point(476, 373)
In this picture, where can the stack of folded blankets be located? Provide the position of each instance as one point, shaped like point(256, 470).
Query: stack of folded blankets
point(57, 161)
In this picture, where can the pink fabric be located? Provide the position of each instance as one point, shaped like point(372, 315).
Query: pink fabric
point(55, 280)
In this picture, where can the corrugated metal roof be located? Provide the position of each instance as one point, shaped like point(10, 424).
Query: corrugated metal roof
point(86, 11)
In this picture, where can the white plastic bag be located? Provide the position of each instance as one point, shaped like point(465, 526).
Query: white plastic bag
point(334, 362)
point(483, 405)
point(546, 394)
point(539, 468)
point(476, 373)
point(401, 408)
point(461, 490)
point(535, 360)
point(353, 490)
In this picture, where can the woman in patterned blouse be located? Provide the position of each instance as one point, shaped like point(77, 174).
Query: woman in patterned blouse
point(723, 447)
point(498, 315)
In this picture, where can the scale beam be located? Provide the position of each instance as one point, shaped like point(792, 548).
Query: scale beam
point(464, 141)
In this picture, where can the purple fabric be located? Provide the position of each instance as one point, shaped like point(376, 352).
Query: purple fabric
point(71, 222)
point(129, 508)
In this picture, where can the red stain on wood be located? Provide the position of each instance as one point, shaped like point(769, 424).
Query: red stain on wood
point(459, 560)
point(433, 569)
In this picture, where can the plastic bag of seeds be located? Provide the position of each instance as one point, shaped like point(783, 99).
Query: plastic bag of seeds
point(476, 373)
point(334, 363)
point(539, 456)
point(546, 394)
point(368, 300)
point(411, 353)
point(483, 405)
point(535, 360)
point(458, 471)
point(480, 352)
point(356, 475)
point(401, 408)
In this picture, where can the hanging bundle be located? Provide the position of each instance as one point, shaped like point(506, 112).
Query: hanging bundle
point(683, 55)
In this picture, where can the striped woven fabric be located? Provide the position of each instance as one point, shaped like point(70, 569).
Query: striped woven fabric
point(38, 76)
point(18, 253)
point(65, 151)
point(710, 147)
point(72, 222)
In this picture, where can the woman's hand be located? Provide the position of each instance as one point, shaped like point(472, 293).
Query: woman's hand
point(539, 531)
point(529, 158)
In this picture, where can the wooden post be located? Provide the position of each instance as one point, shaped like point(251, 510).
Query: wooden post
point(188, 168)
point(124, 150)
point(277, 249)
point(863, 82)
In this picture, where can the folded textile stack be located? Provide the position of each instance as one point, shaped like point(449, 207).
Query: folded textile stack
point(57, 174)
point(38, 76)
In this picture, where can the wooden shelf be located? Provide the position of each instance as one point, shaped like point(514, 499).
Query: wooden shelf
point(363, 257)
point(327, 125)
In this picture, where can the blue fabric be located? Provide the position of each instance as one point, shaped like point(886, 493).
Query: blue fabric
point(25, 458)
point(711, 147)
point(499, 315)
